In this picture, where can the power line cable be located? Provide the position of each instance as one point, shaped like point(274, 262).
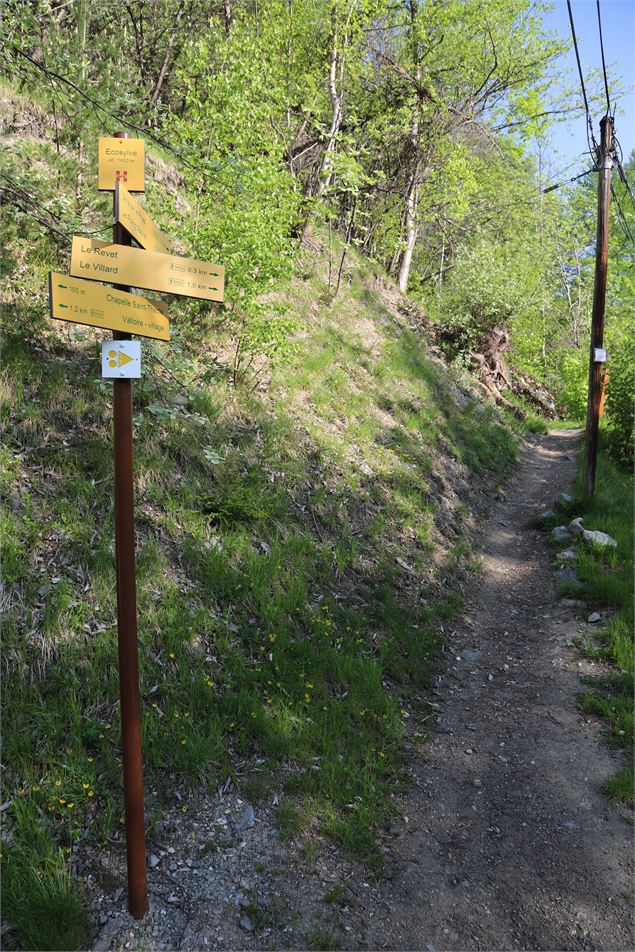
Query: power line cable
point(622, 173)
point(616, 143)
point(552, 188)
point(622, 218)
point(606, 82)
point(99, 108)
point(593, 149)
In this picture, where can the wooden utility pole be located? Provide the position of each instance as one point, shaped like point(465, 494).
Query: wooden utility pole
point(599, 296)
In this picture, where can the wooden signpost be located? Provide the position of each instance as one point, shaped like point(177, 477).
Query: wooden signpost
point(121, 170)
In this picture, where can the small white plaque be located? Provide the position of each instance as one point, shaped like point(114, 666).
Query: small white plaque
point(599, 355)
point(121, 359)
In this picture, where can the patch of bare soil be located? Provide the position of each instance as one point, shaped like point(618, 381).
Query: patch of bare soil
point(506, 840)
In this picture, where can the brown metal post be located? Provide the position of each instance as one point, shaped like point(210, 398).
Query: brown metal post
point(127, 629)
point(599, 296)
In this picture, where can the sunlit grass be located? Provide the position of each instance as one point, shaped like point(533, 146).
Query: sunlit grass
point(273, 613)
point(607, 575)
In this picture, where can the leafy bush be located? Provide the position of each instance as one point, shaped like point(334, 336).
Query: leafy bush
point(488, 288)
point(620, 395)
point(572, 385)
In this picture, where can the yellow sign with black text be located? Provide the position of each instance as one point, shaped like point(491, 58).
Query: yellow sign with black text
point(121, 160)
point(120, 264)
point(84, 302)
point(135, 219)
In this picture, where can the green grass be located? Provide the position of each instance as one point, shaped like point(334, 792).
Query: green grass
point(40, 900)
point(274, 618)
point(321, 940)
point(608, 582)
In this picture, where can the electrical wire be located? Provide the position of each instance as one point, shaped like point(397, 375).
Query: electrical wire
point(552, 188)
point(606, 82)
point(616, 144)
point(620, 168)
point(98, 108)
point(622, 218)
point(593, 146)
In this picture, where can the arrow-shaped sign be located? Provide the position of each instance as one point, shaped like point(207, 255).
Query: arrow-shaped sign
point(84, 302)
point(100, 261)
point(135, 219)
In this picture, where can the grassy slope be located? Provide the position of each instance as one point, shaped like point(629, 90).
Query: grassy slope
point(297, 553)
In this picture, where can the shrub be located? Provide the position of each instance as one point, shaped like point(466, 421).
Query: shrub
point(619, 397)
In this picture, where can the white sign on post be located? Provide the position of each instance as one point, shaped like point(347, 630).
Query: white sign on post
point(599, 355)
point(121, 359)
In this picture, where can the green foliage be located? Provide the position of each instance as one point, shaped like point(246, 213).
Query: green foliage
point(487, 289)
point(275, 610)
point(620, 400)
point(608, 580)
point(573, 387)
point(248, 203)
point(39, 898)
point(250, 640)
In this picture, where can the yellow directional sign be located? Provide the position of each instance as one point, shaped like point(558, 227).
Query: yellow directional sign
point(121, 160)
point(100, 261)
point(136, 221)
point(83, 302)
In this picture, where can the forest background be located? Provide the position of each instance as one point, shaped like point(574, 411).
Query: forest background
point(418, 132)
point(324, 152)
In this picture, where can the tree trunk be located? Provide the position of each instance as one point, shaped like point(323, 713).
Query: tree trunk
point(166, 59)
point(324, 176)
point(227, 16)
point(412, 191)
point(412, 204)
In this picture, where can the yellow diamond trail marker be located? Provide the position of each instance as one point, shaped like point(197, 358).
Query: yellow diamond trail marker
point(100, 261)
point(137, 222)
point(121, 160)
point(83, 302)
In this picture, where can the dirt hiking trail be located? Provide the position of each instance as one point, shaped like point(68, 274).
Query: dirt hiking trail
point(510, 843)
